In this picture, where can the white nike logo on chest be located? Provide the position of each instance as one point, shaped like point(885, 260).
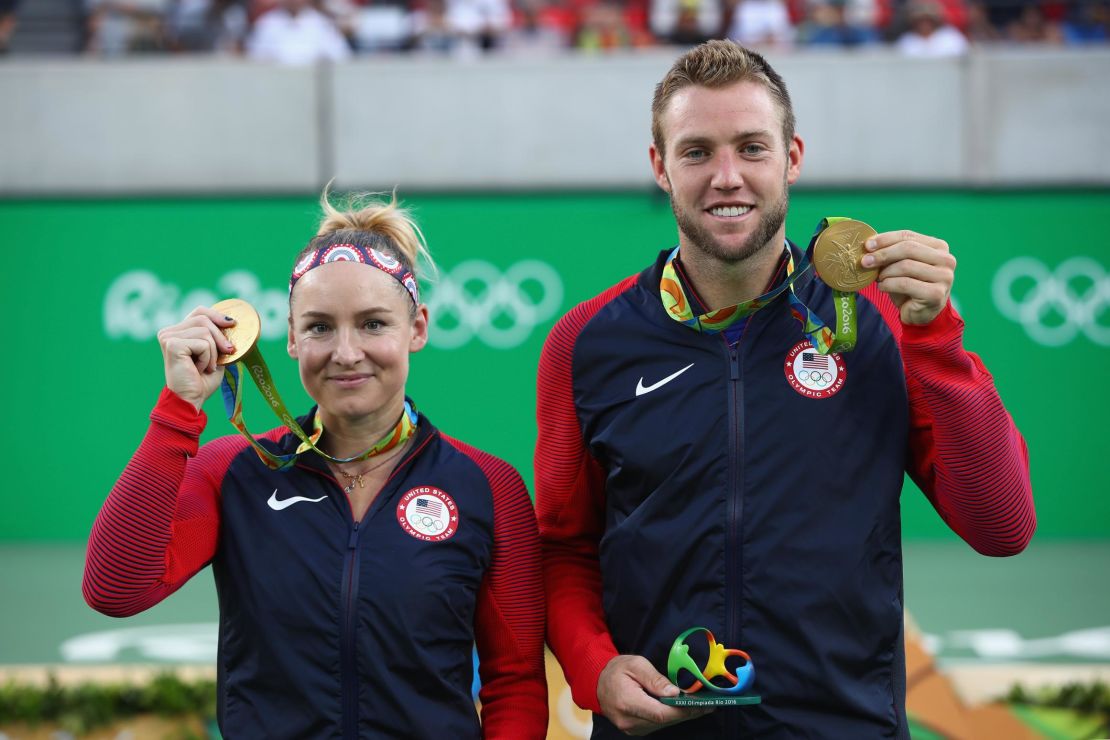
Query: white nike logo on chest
point(285, 503)
point(641, 389)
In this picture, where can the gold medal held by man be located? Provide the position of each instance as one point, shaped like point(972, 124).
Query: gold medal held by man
point(837, 255)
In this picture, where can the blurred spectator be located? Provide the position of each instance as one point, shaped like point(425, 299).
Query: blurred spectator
point(1088, 23)
point(462, 28)
point(535, 33)
point(117, 27)
point(928, 34)
point(296, 33)
point(1001, 13)
point(1031, 27)
point(605, 28)
point(7, 23)
point(827, 24)
point(431, 31)
point(686, 22)
point(207, 25)
point(761, 23)
point(980, 30)
point(382, 26)
point(479, 22)
point(874, 14)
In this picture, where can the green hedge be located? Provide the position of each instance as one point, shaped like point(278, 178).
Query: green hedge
point(84, 707)
point(80, 709)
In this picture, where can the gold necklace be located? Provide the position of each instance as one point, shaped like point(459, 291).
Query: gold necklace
point(356, 478)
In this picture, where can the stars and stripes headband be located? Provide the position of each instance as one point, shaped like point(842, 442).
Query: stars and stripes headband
point(377, 259)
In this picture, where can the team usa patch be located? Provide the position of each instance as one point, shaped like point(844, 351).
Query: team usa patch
point(428, 513)
point(813, 374)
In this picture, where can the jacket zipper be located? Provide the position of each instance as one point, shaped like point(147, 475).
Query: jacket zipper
point(733, 544)
point(734, 547)
point(350, 675)
point(349, 665)
point(349, 599)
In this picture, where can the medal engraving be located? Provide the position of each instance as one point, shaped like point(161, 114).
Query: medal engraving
point(244, 335)
point(837, 255)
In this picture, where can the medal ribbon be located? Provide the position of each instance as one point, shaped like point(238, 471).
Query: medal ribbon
point(681, 310)
point(232, 390)
point(823, 339)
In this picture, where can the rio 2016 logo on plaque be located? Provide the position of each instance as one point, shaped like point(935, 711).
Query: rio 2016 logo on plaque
point(428, 513)
point(813, 374)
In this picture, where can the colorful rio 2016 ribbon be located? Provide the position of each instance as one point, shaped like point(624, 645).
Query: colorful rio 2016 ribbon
point(245, 338)
point(840, 247)
point(679, 660)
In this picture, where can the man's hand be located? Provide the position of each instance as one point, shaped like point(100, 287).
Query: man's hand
point(915, 270)
point(626, 691)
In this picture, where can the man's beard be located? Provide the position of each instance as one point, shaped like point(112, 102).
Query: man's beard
point(700, 237)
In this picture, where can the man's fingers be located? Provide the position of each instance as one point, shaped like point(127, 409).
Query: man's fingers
point(932, 294)
point(917, 251)
point(917, 271)
point(627, 691)
point(654, 682)
point(890, 238)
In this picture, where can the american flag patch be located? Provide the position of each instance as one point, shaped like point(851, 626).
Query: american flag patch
point(814, 361)
point(429, 506)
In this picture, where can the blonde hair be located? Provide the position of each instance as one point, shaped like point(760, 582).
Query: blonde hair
point(367, 220)
point(717, 64)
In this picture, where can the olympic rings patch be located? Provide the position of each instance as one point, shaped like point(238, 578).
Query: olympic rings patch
point(812, 374)
point(428, 513)
point(478, 301)
point(1055, 306)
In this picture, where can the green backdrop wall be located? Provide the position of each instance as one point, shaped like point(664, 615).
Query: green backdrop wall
point(89, 283)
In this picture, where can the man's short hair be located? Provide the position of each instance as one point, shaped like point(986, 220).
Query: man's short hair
point(716, 64)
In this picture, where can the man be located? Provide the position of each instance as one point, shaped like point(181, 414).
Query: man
point(686, 476)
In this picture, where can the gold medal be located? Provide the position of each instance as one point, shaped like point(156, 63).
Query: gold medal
point(837, 255)
point(244, 335)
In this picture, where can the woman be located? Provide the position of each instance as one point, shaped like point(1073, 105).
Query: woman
point(351, 589)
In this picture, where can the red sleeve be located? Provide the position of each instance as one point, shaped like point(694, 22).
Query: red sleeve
point(508, 625)
point(158, 526)
point(570, 502)
point(965, 452)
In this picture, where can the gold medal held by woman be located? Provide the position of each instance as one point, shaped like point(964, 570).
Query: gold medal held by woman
point(244, 335)
point(837, 255)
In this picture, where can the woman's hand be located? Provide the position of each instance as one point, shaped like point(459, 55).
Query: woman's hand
point(190, 350)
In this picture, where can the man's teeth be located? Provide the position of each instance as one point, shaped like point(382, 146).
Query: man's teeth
point(730, 211)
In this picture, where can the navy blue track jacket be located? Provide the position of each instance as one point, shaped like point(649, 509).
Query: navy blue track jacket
point(331, 628)
point(682, 482)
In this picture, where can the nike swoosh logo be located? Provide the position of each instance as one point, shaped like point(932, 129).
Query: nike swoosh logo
point(285, 503)
point(641, 389)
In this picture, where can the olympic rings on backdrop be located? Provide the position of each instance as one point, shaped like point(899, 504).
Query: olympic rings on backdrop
point(1053, 307)
point(476, 300)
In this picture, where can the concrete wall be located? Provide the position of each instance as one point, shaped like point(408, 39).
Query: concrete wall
point(995, 118)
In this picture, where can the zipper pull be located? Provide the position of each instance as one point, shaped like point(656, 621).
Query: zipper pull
point(735, 369)
point(352, 542)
